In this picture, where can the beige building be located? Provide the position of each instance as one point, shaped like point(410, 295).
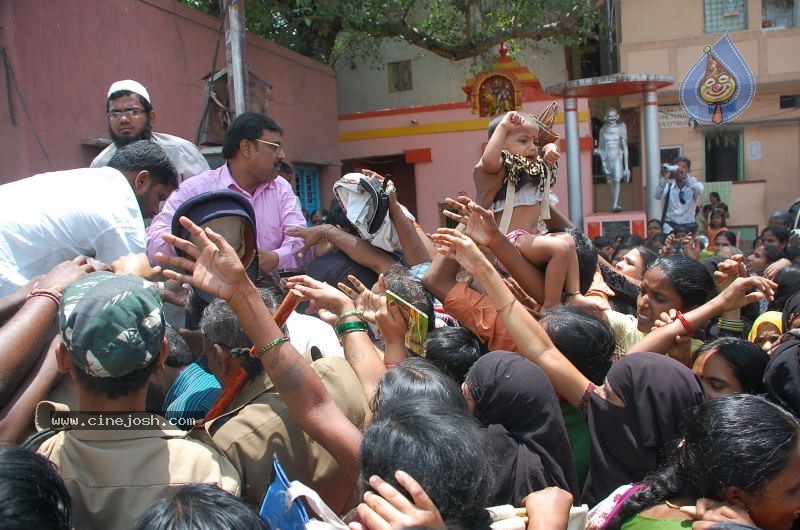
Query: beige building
point(754, 160)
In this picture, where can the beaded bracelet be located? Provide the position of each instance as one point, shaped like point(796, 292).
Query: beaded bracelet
point(688, 327)
point(52, 294)
point(350, 327)
point(264, 349)
point(357, 314)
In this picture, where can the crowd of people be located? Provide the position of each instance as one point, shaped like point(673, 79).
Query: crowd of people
point(409, 379)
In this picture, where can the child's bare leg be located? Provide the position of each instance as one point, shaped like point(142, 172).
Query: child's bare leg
point(554, 252)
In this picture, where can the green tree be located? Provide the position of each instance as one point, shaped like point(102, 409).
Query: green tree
point(332, 31)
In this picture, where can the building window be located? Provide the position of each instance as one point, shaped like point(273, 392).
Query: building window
point(725, 15)
point(400, 76)
point(724, 156)
point(670, 153)
point(780, 13)
point(790, 102)
point(307, 183)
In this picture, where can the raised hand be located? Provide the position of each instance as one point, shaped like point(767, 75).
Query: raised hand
point(328, 301)
point(366, 301)
point(392, 322)
point(391, 510)
point(479, 222)
point(550, 155)
point(214, 266)
point(311, 236)
point(738, 295)
point(690, 246)
point(729, 270)
point(461, 248)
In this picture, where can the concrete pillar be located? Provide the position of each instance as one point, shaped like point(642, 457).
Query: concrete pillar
point(573, 161)
point(652, 152)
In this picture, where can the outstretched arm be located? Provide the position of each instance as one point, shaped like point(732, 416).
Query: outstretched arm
point(491, 159)
point(25, 336)
point(736, 296)
point(482, 228)
point(526, 332)
point(215, 268)
point(356, 248)
point(359, 351)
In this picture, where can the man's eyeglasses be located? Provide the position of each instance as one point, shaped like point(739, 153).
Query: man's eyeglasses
point(128, 113)
point(278, 148)
point(681, 197)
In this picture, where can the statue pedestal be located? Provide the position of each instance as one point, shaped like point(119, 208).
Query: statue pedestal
point(602, 195)
point(615, 224)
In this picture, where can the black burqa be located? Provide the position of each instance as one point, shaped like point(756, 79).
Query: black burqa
point(782, 375)
point(659, 393)
point(516, 402)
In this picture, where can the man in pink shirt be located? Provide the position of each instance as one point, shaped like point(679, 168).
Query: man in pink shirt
point(253, 152)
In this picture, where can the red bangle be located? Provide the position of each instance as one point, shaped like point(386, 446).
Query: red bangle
point(390, 364)
point(52, 294)
point(686, 325)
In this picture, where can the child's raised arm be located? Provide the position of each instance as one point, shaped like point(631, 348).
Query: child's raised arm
point(491, 160)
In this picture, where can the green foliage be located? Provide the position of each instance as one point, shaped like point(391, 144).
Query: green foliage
point(340, 31)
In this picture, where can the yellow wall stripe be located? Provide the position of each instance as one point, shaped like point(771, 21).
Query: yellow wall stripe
point(433, 128)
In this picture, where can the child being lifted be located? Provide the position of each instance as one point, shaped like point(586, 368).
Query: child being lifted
point(514, 178)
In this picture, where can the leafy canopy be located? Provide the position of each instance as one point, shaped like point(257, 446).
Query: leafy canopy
point(332, 31)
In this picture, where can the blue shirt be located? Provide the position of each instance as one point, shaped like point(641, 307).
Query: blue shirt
point(191, 396)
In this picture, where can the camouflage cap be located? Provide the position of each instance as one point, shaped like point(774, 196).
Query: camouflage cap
point(111, 324)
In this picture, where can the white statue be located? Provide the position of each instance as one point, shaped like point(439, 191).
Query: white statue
point(613, 150)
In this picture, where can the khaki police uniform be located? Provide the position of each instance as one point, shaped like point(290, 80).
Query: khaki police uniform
point(260, 425)
point(114, 476)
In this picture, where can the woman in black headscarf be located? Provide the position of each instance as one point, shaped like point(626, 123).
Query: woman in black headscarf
point(646, 397)
point(513, 398)
point(782, 376)
point(791, 311)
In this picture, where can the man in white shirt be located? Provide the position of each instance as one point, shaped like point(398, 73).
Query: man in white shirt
point(683, 193)
point(53, 217)
point(131, 117)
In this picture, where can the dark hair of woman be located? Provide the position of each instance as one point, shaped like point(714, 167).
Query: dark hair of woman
point(739, 441)
point(201, 507)
point(628, 242)
point(443, 448)
point(788, 280)
point(690, 279)
point(746, 359)
point(32, 494)
point(730, 236)
point(584, 339)
point(780, 232)
point(453, 349)
point(415, 378)
point(773, 252)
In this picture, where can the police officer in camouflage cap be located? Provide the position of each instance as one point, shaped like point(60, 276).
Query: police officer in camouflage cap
point(112, 325)
point(116, 459)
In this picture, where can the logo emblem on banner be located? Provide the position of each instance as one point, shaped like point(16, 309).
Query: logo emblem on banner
point(719, 86)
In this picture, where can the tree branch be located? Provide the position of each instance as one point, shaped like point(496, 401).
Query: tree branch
point(472, 47)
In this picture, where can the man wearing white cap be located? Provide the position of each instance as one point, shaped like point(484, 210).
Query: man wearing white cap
point(130, 118)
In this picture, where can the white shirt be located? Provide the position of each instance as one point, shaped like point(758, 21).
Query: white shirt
point(53, 217)
point(184, 155)
point(680, 212)
point(306, 331)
